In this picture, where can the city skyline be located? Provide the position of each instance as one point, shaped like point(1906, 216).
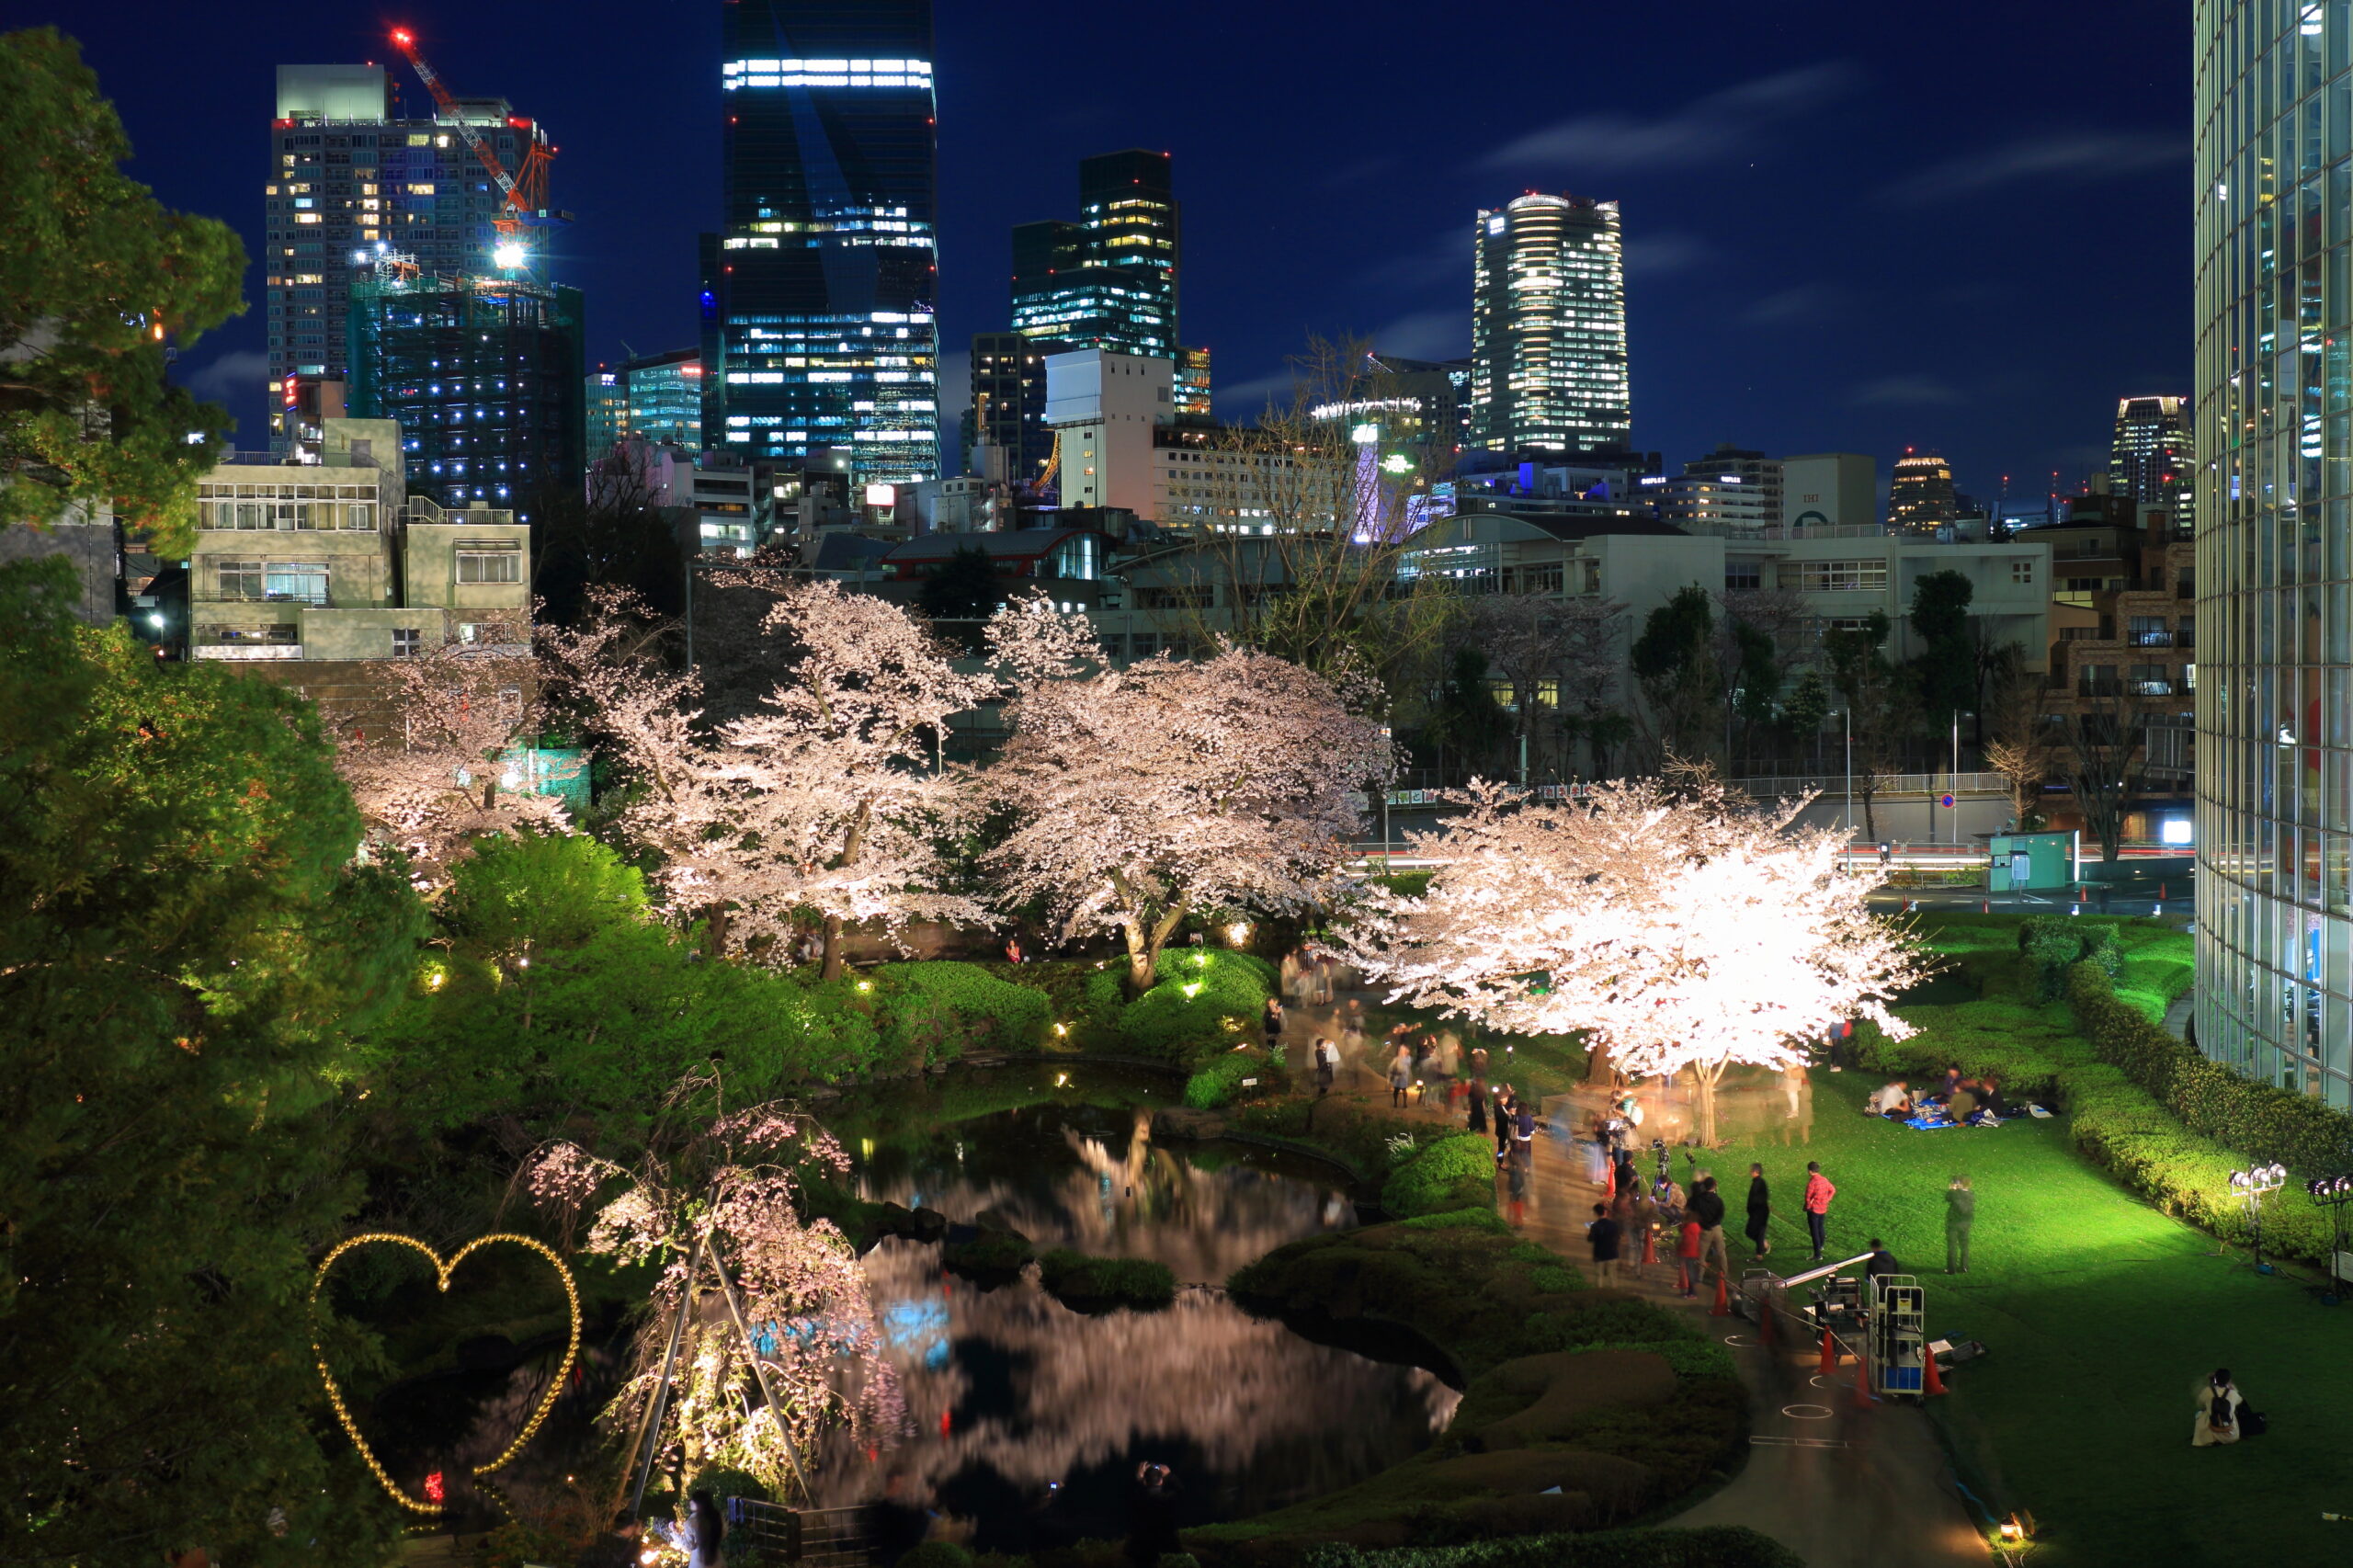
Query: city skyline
point(1771, 203)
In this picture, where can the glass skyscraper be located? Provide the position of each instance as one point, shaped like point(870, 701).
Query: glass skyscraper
point(1548, 327)
point(818, 300)
point(2274, 444)
point(1110, 280)
point(2150, 460)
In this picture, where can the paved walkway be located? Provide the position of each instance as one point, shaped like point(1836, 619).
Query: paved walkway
point(1843, 1487)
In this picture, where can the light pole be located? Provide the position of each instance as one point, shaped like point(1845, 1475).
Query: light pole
point(1847, 716)
point(1952, 778)
point(2252, 1184)
point(1388, 862)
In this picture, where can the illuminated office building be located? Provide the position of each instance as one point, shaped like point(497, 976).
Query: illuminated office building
point(1009, 402)
point(1548, 327)
point(1110, 280)
point(351, 177)
point(1920, 496)
point(2274, 491)
point(2151, 460)
point(818, 295)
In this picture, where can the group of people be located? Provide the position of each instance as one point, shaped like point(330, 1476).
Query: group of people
point(1969, 1101)
point(700, 1532)
point(1631, 1210)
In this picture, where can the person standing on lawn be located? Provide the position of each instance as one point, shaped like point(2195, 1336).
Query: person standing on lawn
point(1818, 1194)
point(1960, 1213)
point(1687, 1259)
point(1760, 1211)
point(1708, 1207)
point(1401, 1076)
point(1507, 1102)
point(1604, 1235)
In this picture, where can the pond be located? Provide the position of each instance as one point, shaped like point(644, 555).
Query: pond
point(1028, 1420)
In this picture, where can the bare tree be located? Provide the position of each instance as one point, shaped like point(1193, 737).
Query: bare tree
point(1300, 529)
point(2023, 746)
point(2106, 761)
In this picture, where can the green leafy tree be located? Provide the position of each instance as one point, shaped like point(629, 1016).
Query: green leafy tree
point(1673, 660)
point(1866, 684)
point(1803, 710)
point(188, 940)
point(96, 278)
point(1464, 716)
point(1946, 670)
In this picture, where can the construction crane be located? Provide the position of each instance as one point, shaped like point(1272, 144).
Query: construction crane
point(525, 190)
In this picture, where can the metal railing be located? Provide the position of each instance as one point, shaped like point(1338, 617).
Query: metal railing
point(1890, 784)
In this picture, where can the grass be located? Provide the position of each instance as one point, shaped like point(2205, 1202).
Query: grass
point(2101, 1313)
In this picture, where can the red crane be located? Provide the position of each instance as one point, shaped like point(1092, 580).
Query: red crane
point(525, 190)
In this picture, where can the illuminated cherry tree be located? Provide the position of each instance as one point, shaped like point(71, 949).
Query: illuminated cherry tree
point(435, 760)
point(1140, 795)
point(762, 1338)
point(829, 799)
point(1679, 927)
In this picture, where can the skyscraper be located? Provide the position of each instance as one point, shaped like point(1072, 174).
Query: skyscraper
point(2274, 315)
point(1110, 280)
point(1920, 496)
point(484, 376)
point(819, 292)
point(1009, 401)
point(1548, 327)
point(2151, 462)
point(349, 178)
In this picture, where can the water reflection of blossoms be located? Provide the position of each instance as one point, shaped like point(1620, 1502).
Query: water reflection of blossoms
point(760, 1321)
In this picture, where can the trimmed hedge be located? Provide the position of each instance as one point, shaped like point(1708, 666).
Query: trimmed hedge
point(935, 1011)
point(1219, 1083)
point(1454, 1173)
point(1203, 1001)
point(2272, 1124)
point(1711, 1546)
point(1088, 1284)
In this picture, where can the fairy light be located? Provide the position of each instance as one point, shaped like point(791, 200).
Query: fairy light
point(442, 1270)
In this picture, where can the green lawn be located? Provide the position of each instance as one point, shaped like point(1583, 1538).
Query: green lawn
point(2101, 1313)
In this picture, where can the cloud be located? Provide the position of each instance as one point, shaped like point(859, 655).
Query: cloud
point(1720, 126)
point(1905, 391)
point(2076, 155)
point(1427, 335)
point(1654, 256)
point(1248, 400)
point(1804, 302)
point(235, 373)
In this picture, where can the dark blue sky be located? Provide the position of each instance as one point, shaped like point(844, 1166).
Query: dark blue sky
point(1849, 226)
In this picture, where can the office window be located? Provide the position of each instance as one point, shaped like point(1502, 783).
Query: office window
point(490, 560)
point(1742, 576)
point(2022, 571)
point(295, 582)
point(405, 642)
point(1834, 576)
point(240, 579)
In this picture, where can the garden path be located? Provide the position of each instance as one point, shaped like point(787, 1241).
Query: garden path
point(1841, 1487)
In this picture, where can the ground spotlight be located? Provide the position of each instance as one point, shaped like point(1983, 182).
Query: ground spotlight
point(2251, 1185)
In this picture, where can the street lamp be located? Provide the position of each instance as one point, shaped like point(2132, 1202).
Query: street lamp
point(1387, 857)
point(2252, 1184)
point(1847, 716)
point(2332, 1193)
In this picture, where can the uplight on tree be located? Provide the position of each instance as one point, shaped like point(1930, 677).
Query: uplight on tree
point(1678, 928)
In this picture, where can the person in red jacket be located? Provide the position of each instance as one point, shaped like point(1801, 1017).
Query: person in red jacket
point(1687, 1259)
point(1818, 1194)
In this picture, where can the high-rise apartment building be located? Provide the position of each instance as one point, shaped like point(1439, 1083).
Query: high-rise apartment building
point(483, 375)
point(1920, 496)
point(1730, 490)
point(1009, 402)
point(350, 178)
point(819, 292)
point(2151, 460)
point(2274, 316)
point(1548, 327)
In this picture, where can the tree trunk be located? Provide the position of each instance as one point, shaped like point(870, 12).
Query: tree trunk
point(835, 956)
point(1871, 828)
point(1708, 1078)
point(1597, 1067)
point(715, 931)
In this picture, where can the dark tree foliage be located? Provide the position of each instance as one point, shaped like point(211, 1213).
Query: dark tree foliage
point(188, 940)
point(963, 588)
point(1946, 670)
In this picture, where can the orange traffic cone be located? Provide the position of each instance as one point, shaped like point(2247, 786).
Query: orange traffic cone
point(1931, 1380)
point(1723, 1309)
point(1765, 1323)
point(1862, 1383)
point(1829, 1353)
point(1649, 1246)
point(1984, 906)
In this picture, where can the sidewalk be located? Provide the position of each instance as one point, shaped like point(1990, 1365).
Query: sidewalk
point(1841, 1487)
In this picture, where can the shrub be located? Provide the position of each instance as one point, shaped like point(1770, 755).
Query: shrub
point(1454, 1173)
point(989, 1255)
point(935, 1012)
point(1221, 1083)
point(1100, 1284)
point(723, 1482)
point(1203, 1000)
point(935, 1555)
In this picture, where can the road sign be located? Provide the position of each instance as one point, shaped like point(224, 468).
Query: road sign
point(1945, 802)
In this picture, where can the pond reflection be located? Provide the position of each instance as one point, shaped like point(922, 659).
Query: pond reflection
point(1027, 1420)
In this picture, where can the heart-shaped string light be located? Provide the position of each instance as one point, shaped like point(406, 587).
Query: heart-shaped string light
point(442, 1272)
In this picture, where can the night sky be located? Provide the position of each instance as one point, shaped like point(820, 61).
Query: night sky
point(1853, 227)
